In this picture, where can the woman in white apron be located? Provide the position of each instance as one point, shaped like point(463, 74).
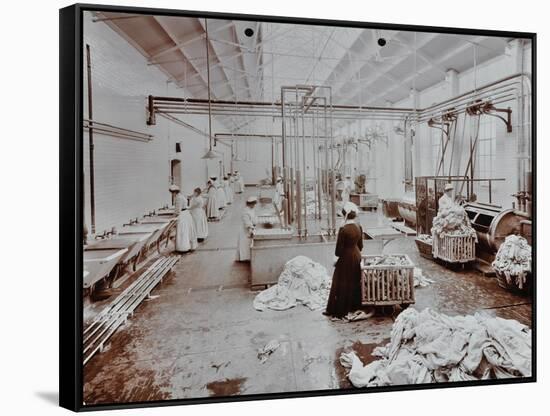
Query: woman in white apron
point(246, 231)
point(221, 193)
point(235, 182)
point(278, 192)
point(228, 190)
point(241, 184)
point(212, 206)
point(186, 237)
point(196, 208)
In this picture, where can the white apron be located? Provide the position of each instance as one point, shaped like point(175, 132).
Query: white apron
point(196, 208)
point(243, 243)
point(212, 206)
point(221, 197)
point(277, 195)
point(235, 185)
point(228, 192)
point(186, 237)
point(445, 202)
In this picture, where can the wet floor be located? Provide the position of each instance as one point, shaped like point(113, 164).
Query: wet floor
point(199, 335)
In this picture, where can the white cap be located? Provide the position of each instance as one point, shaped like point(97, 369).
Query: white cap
point(174, 188)
point(349, 207)
point(449, 187)
point(251, 199)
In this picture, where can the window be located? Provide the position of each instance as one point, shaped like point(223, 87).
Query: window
point(435, 134)
point(486, 149)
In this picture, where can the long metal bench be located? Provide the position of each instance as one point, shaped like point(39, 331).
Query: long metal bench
point(104, 325)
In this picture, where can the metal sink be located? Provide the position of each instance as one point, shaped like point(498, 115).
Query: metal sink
point(99, 263)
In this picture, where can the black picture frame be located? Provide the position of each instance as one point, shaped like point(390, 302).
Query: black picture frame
point(71, 203)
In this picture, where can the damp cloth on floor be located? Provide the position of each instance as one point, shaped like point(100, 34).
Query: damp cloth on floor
point(302, 281)
point(429, 347)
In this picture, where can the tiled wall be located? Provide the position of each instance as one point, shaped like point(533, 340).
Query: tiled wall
point(132, 177)
point(388, 179)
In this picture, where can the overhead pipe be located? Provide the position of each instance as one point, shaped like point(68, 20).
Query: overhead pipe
point(91, 139)
point(116, 131)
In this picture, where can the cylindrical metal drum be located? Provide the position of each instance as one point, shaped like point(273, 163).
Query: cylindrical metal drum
point(407, 209)
point(492, 224)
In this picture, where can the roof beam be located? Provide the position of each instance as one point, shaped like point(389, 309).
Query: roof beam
point(353, 93)
point(186, 40)
point(410, 78)
point(220, 63)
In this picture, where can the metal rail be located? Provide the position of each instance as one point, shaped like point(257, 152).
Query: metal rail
point(104, 325)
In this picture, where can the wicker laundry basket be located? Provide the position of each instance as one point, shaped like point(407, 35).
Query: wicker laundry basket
point(387, 284)
point(454, 248)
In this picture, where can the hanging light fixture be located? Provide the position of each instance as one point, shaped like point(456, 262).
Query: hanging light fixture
point(211, 154)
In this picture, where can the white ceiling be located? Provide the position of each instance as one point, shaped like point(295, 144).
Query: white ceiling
point(254, 68)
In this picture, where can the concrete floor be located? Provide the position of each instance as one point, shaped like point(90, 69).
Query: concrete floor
point(200, 337)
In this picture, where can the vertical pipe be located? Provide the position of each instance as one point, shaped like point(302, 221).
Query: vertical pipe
point(91, 139)
point(284, 150)
point(208, 87)
point(297, 169)
point(304, 169)
point(232, 157)
point(333, 182)
point(326, 171)
point(273, 173)
point(315, 165)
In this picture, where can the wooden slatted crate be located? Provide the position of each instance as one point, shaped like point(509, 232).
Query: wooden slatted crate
point(387, 284)
point(424, 248)
point(454, 248)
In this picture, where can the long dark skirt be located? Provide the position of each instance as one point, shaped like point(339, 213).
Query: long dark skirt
point(345, 292)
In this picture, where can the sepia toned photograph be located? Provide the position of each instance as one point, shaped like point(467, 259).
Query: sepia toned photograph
point(277, 207)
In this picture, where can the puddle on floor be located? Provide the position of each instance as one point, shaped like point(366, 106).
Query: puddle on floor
point(363, 351)
point(227, 387)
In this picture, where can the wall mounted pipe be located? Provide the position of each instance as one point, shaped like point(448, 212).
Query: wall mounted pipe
point(91, 139)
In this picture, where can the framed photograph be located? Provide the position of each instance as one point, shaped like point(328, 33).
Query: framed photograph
point(256, 207)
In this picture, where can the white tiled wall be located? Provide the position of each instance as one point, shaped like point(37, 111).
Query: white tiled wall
point(388, 163)
point(132, 177)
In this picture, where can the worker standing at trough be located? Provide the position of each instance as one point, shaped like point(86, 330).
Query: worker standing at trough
point(446, 200)
point(196, 208)
point(186, 237)
point(246, 231)
point(228, 189)
point(278, 191)
point(345, 291)
point(212, 206)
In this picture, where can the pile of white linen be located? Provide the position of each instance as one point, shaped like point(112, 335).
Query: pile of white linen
point(426, 238)
point(302, 281)
point(386, 260)
point(428, 347)
point(452, 221)
point(513, 259)
point(419, 279)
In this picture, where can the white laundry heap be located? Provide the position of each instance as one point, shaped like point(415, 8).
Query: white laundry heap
point(513, 259)
point(452, 221)
point(302, 281)
point(429, 347)
point(419, 279)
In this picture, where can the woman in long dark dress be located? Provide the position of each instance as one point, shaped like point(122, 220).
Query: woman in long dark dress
point(345, 292)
